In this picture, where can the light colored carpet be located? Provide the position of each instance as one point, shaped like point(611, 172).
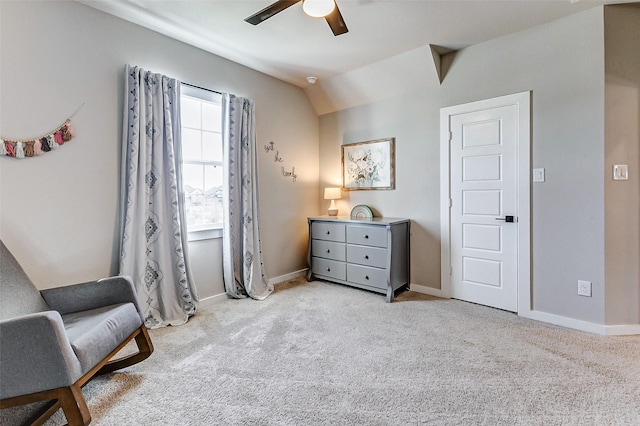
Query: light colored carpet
point(324, 354)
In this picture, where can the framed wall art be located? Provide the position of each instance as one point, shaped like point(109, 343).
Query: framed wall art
point(369, 165)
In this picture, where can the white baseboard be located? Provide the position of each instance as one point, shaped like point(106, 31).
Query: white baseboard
point(605, 330)
point(426, 290)
point(621, 330)
point(287, 277)
point(217, 298)
point(211, 300)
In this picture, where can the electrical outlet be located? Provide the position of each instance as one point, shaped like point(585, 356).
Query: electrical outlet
point(584, 288)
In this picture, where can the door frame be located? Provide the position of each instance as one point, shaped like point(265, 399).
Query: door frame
point(522, 101)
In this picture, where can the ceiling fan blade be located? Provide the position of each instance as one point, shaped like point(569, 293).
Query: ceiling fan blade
point(271, 10)
point(336, 22)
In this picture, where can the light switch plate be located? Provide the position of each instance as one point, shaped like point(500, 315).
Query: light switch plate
point(538, 175)
point(620, 172)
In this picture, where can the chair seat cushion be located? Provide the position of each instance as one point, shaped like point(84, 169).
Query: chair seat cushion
point(96, 332)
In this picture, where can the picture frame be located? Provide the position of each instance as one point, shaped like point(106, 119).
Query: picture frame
point(369, 165)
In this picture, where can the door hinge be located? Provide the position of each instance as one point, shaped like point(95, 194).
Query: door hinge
point(450, 270)
point(450, 202)
point(450, 135)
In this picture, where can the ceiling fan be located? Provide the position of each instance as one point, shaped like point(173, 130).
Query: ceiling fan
point(317, 8)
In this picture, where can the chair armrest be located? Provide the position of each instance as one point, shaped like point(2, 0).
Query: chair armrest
point(36, 355)
point(92, 295)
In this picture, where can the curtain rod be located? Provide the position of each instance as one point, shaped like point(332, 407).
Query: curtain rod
point(202, 88)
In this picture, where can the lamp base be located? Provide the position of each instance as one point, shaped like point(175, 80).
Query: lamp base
point(333, 210)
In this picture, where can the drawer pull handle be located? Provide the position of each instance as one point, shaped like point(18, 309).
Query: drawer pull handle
point(366, 237)
point(328, 251)
point(328, 232)
point(328, 269)
point(366, 277)
point(366, 256)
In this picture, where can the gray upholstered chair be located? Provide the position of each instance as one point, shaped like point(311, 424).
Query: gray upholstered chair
point(54, 341)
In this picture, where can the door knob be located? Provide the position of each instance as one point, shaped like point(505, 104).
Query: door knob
point(506, 218)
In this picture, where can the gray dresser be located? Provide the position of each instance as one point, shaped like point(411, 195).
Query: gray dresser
point(372, 254)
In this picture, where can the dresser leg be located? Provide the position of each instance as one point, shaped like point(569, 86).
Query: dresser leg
point(390, 294)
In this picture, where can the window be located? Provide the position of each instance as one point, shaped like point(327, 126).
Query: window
point(201, 116)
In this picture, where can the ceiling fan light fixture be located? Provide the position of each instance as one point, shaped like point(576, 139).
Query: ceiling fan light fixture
point(318, 8)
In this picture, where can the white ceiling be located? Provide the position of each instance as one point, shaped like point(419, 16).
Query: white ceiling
point(291, 46)
point(385, 53)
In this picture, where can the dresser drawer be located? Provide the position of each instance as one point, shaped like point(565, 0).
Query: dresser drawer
point(328, 250)
point(329, 268)
point(365, 275)
point(367, 235)
point(367, 256)
point(328, 231)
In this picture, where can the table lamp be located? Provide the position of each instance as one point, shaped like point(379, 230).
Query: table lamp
point(332, 194)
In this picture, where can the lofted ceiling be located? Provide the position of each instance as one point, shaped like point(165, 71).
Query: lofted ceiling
point(291, 46)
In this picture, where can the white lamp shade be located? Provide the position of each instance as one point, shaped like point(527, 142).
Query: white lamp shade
point(318, 8)
point(332, 194)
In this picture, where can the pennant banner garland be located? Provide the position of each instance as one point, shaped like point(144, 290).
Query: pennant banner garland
point(37, 146)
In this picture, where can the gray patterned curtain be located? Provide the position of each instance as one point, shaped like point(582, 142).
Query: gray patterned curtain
point(243, 269)
point(153, 248)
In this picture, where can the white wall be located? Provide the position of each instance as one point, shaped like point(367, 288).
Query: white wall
point(59, 212)
point(563, 64)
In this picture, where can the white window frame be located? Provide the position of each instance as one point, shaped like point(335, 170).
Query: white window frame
point(210, 231)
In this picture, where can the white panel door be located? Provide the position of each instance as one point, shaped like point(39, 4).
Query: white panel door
point(483, 189)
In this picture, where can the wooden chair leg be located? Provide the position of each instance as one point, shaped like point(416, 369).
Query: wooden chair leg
point(145, 349)
point(74, 406)
point(71, 399)
point(41, 416)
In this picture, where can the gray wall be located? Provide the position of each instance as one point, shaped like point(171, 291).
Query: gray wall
point(622, 146)
point(563, 64)
point(413, 121)
point(59, 212)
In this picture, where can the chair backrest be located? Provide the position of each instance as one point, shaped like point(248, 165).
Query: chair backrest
point(18, 295)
